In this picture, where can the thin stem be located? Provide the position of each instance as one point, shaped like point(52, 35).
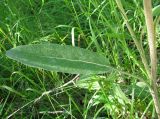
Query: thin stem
point(153, 53)
point(136, 41)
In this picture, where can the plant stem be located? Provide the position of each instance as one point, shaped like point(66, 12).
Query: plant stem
point(136, 41)
point(153, 53)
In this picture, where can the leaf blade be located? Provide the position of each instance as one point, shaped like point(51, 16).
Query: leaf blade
point(54, 57)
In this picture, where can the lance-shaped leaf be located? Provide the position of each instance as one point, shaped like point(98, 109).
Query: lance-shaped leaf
point(54, 57)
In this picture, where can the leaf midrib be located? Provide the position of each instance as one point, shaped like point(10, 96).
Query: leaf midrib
point(72, 60)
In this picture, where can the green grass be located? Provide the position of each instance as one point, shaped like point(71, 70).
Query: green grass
point(34, 93)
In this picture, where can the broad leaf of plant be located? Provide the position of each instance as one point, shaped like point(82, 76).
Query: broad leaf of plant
point(54, 57)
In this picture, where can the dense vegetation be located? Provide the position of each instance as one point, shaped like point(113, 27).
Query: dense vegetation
point(98, 26)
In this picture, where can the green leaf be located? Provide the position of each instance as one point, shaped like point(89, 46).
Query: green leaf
point(156, 10)
point(121, 95)
point(54, 57)
point(11, 90)
point(141, 84)
point(90, 82)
